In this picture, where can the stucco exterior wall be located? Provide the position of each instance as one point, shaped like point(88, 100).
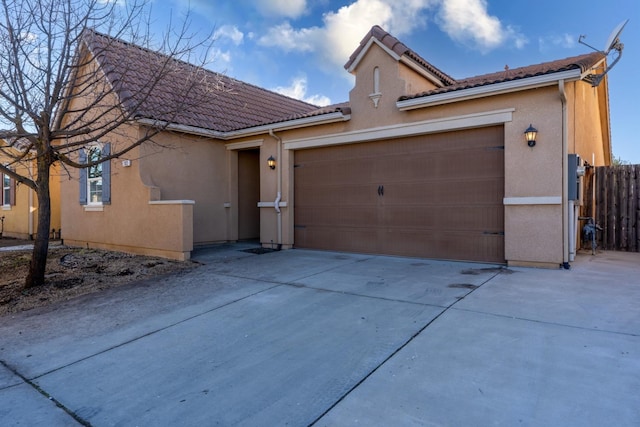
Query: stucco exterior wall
point(185, 167)
point(21, 219)
point(586, 125)
point(135, 221)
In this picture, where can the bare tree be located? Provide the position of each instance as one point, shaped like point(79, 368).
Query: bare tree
point(57, 97)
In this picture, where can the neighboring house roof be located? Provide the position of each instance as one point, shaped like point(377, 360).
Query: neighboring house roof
point(223, 104)
point(581, 62)
point(399, 48)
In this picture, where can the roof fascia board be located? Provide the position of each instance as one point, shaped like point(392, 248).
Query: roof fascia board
point(487, 118)
point(366, 48)
point(257, 130)
point(489, 90)
point(290, 124)
point(245, 144)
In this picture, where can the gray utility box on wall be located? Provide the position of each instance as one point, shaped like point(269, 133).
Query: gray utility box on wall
point(575, 171)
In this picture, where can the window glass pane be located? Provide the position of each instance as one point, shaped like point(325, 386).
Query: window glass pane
point(94, 156)
point(6, 189)
point(94, 175)
point(95, 190)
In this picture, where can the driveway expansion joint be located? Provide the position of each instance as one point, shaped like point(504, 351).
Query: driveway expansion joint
point(542, 322)
point(397, 350)
point(153, 332)
point(41, 391)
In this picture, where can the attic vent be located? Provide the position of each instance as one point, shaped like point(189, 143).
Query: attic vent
point(376, 95)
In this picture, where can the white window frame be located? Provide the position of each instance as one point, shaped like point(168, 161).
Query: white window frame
point(6, 190)
point(89, 151)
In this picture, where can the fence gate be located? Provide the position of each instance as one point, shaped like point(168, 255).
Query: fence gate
point(617, 206)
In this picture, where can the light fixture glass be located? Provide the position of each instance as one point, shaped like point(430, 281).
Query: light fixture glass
point(271, 162)
point(530, 135)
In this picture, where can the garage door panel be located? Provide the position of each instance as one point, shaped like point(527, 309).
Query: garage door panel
point(445, 192)
point(436, 166)
point(451, 245)
point(443, 196)
point(331, 216)
point(345, 195)
point(433, 218)
point(338, 172)
point(348, 239)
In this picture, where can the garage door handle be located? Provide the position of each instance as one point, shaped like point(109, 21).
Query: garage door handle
point(380, 190)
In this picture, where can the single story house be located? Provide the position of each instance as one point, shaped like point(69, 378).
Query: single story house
point(416, 163)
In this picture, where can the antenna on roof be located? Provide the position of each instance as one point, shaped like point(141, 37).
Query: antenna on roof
point(613, 43)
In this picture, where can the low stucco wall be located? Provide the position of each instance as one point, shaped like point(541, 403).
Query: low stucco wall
point(137, 220)
point(167, 230)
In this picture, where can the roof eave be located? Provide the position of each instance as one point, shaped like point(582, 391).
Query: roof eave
point(489, 90)
point(251, 131)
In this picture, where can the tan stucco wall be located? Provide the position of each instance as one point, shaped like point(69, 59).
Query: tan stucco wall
point(21, 220)
point(191, 168)
point(133, 221)
point(585, 123)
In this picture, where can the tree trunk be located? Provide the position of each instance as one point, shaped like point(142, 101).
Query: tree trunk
point(41, 244)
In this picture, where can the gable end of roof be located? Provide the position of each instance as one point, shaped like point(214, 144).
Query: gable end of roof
point(400, 50)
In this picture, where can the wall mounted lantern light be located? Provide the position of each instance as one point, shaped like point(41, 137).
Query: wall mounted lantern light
point(271, 162)
point(530, 135)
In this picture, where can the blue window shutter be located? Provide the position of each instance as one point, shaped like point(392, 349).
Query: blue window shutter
point(12, 192)
point(106, 175)
point(83, 177)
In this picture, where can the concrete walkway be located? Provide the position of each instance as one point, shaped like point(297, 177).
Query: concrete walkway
point(331, 339)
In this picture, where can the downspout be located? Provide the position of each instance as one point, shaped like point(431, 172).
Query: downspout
point(276, 203)
point(565, 178)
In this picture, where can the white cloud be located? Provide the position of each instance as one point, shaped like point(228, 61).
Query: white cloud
point(118, 2)
point(289, 39)
point(565, 41)
point(220, 57)
point(469, 22)
point(465, 21)
point(230, 32)
point(298, 90)
point(343, 30)
point(282, 8)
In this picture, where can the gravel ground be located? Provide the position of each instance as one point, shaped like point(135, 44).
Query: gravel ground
point(72, 272)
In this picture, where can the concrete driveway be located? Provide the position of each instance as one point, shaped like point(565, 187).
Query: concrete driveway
point(331, 339)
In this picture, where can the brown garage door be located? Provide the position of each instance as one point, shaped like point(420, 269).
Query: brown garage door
point(432, 196)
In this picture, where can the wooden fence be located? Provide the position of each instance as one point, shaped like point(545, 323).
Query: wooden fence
point(617, 206)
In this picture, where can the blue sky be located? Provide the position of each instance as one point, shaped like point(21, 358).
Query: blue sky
point(299, 47)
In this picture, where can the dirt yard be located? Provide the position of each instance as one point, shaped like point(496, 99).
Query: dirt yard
point(72, 272)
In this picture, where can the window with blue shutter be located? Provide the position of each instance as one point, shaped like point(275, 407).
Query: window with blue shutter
point(95, 180)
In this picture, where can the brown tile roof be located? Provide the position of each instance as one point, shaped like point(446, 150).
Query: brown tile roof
point(581, 62)
point(216, 102)
point(343, 107)
point(400, 49)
